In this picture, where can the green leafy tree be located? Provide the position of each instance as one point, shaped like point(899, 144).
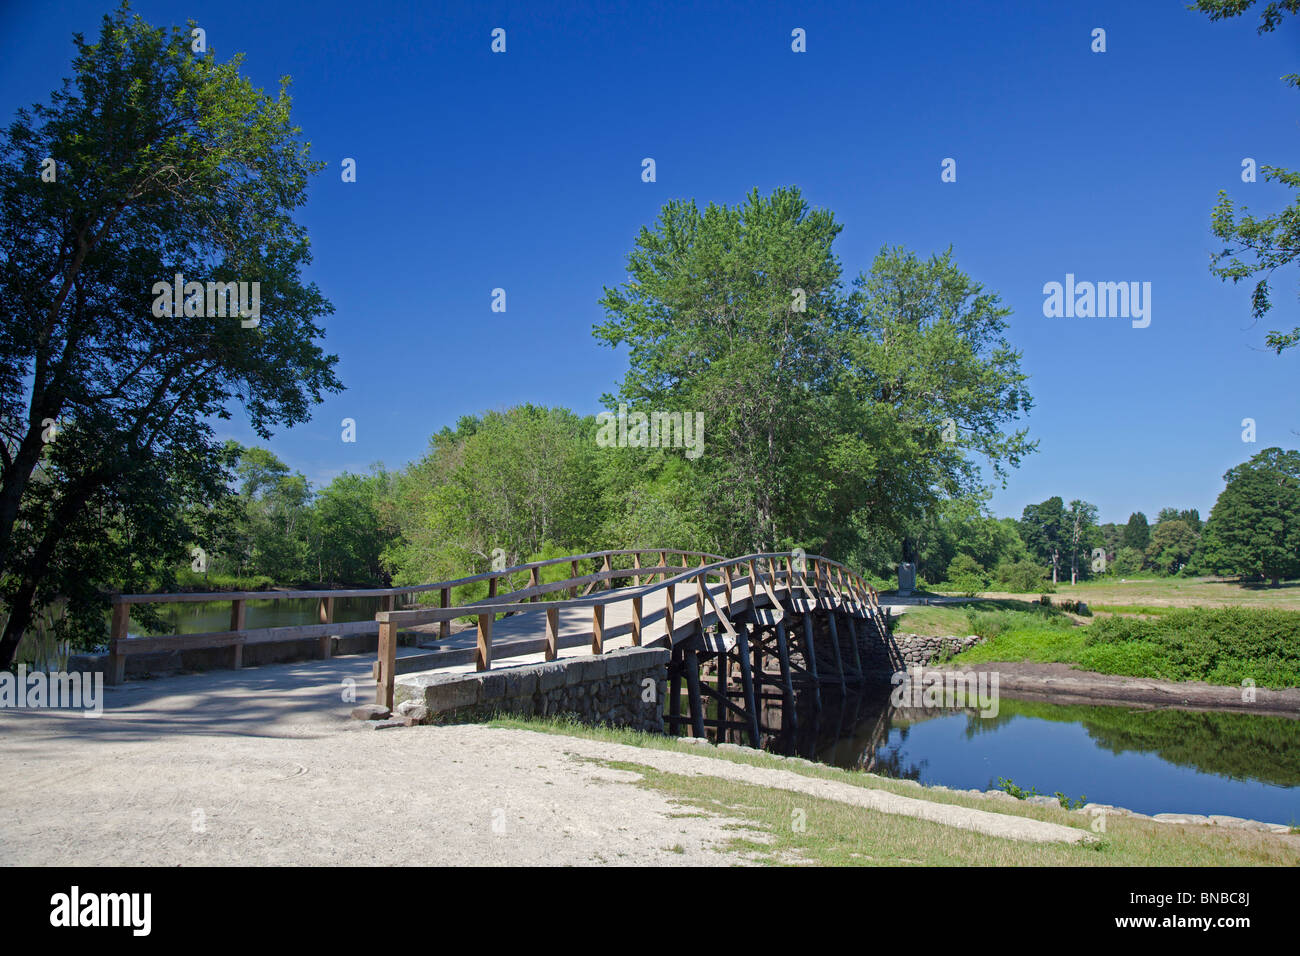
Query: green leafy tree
point(1172, 543)
point(1083, 535)
point(832, 421)
point(1137, 533)
point(167, 162)
point(348, 530)
point(1045, 531)
point(1254, 527)
point(1128, 561)
point(1254, 247)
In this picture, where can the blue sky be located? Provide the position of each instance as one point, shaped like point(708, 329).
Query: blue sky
point(523, 171)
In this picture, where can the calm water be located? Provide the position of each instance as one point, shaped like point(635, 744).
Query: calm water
point(203, 616)
point(1151, 761)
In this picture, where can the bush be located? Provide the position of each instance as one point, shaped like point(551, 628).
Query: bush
point(1127, 561)
point(1219, 645)
point(1021, 577)
point(967, 576)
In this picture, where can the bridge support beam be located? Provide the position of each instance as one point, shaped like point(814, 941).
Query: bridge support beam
point(747, 685)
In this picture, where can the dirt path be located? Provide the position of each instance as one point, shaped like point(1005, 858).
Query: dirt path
point(263, 766)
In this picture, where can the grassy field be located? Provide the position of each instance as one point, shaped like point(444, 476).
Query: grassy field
point(831, 833)
point(1174, 593)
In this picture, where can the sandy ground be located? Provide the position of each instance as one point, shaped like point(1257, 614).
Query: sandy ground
point(263, 766)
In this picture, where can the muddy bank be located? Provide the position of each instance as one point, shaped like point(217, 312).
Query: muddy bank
point(1064, 684)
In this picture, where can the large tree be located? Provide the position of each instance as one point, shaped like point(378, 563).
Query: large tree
point(832, 420)
point(150, 161)
point(1254, 528)
point(1046, 532)
point(1256, 248)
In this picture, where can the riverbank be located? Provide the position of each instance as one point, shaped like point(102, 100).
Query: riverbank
point(1060, 683)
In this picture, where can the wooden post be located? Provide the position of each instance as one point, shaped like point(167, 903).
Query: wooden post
point(669, 600)
point(605, 567)
point(699, 600)
point(387, 665)
point(573, 573)
point(691, 662)
point(747, 685)
point(552, 633)
point(598, 629)
point(811, 649)
point(636, 563)
point(533, 581)
point(636, 621)
point(753, 586)
point(835, 646)
point(325, 615)
point(663, 563)
point(237, 624)
point(116, 659)
point(483, 653)
point(771, 573)
point(444, 627)
point(726, 584)
point(789, 716)
point(492, 587)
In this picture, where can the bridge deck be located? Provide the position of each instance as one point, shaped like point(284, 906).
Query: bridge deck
point(521, 637)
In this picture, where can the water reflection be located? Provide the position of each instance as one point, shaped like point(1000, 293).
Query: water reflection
point(1150, 761)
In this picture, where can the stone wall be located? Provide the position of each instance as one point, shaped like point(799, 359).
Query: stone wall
point(625, 688)
point(900, 651)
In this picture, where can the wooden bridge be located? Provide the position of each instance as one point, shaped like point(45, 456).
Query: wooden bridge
point(777, 621)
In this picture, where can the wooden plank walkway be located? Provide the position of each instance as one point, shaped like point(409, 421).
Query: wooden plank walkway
point(524, 634)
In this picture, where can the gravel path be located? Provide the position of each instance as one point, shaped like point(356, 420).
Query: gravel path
point(263, 767)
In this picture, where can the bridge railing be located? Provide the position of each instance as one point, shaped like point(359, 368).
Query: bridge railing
point(815, 579)
point(121, 645)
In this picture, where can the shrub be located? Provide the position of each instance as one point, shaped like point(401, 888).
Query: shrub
point(1020, 577)
point(1127, 561)
point(1219, 645)
point(967, 576)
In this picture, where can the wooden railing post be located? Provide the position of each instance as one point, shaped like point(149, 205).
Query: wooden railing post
point(669, 601)
point(237, 624)
point(663, 563)
point(492, 587)
point(116, 659)
point(573, 569)
point(552, 633)
point(699, 600)
point(598, 629)
point(387, 665)
point(636, 620)
point(726, 584)
point(753, 586)
point(325, 615)
point(771, 573)
point(636, 563)
point(483, 653)
point(606, 568)
point(444, 627)
point(533, 581)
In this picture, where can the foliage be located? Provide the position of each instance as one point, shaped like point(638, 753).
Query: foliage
point(167, 163)
point(1255, 248)
point(1254, 527)
point(1127, 561)
point(1221, 645)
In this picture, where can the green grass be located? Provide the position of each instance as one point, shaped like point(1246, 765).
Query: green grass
point(795, 828)
point(1218, 645)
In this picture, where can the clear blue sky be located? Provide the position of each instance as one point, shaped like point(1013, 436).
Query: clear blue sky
point(522, 171)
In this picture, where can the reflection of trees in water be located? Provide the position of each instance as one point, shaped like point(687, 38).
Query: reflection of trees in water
point(1238, 746)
